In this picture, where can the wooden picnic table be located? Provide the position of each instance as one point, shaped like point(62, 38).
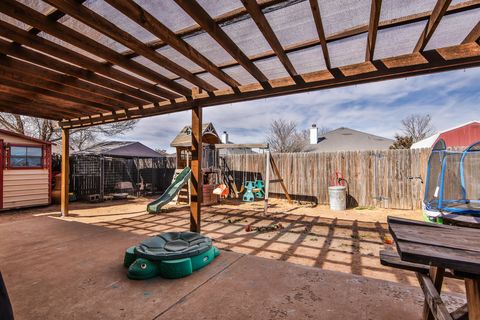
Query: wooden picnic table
point(441, 247)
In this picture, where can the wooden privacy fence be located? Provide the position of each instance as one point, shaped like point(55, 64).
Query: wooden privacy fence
point(387, 178)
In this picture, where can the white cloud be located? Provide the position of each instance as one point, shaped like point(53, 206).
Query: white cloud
point(451, 98)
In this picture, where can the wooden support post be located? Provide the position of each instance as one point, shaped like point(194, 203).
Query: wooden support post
point(472, 288)
point(433, 301)
point(267, 181)
point(196, 165)
point(436, 274)
point(279, 177)
point(65, 172)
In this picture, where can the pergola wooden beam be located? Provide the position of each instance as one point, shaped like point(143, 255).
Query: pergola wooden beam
point(320, 31)
point(38, 103)
point(23, 37)
point(474, 35)
point(31, 17)
point(150, 23)
point(228, 16)
point(21, 110)
point(60, 104)
point(194, 10)
point(432, 61)
point(65, 84)
point(24, 78)
point(373, 28)
point(355, 31)
point(51, 63)
point(237, 13)
point(437, 14)
point(38, 107)
point(262, 23)
point(56, 98)
point(97, 22)
point(52, 15)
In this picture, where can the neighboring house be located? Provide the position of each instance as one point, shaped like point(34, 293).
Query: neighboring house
point(345, 139)
point(459, 136)
point(122, 149)
point(225, 140)
point(25, 176)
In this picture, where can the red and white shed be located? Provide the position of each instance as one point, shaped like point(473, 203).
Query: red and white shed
point(25, 176)
point(460, 136)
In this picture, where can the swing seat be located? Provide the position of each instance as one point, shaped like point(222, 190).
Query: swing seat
point(219, 189)
point(248, 196)
point(259, 189)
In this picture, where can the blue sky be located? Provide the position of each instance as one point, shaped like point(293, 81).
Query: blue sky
point(451, 98)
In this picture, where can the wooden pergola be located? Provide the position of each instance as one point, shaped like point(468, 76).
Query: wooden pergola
point(87, 63)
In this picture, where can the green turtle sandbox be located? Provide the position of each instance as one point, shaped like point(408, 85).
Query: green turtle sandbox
point(169, 255)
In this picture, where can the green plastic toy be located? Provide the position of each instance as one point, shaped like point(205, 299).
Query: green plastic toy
point(170, 255)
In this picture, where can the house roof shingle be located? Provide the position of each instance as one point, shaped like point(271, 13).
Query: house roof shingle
point(125, 149)
point(346, 139)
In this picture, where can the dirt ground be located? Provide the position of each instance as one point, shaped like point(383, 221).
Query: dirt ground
point(348, 241)
point(118, 209)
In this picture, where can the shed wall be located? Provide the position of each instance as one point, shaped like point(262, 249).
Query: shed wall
point(25, 188)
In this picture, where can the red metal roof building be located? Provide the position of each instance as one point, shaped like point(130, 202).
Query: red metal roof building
point(460, 136)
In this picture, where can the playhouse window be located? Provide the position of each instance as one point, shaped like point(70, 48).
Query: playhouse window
point(25, 157)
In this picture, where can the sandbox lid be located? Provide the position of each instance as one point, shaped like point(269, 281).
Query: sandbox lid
point(173, 245)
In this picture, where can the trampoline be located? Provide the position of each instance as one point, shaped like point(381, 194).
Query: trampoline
point(453, 182)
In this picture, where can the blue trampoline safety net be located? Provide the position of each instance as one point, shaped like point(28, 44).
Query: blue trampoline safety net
point(453, 181)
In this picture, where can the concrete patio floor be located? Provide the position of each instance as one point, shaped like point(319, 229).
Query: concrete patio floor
point(57, 269)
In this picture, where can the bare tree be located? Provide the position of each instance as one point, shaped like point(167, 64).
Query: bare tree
point(402, 142)
point(284, 136)
point(323, 130)
point(45, 129)
point(418, 126)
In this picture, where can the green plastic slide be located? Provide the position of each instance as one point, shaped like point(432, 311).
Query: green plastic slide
point(171, 192)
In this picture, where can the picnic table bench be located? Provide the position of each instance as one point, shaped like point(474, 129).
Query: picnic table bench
point(433, 252)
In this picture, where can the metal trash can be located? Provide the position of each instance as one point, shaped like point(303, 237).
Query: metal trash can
point(338, 197)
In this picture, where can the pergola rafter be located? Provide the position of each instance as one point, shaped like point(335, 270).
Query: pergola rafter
point(97, 22)
point(357, 30)
point(373, 28)
point(29, 16)
point(72, 79)
point(9, 97)
point(437, 14)
point(15, 70)
point(382, 25)
point(149, 22)
point(21, 109)
point(201, 17)
point(262, 23)
point(43, 45)
point(474, 35)
point(87, 107)
point(75, 109)
point(317, 17)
